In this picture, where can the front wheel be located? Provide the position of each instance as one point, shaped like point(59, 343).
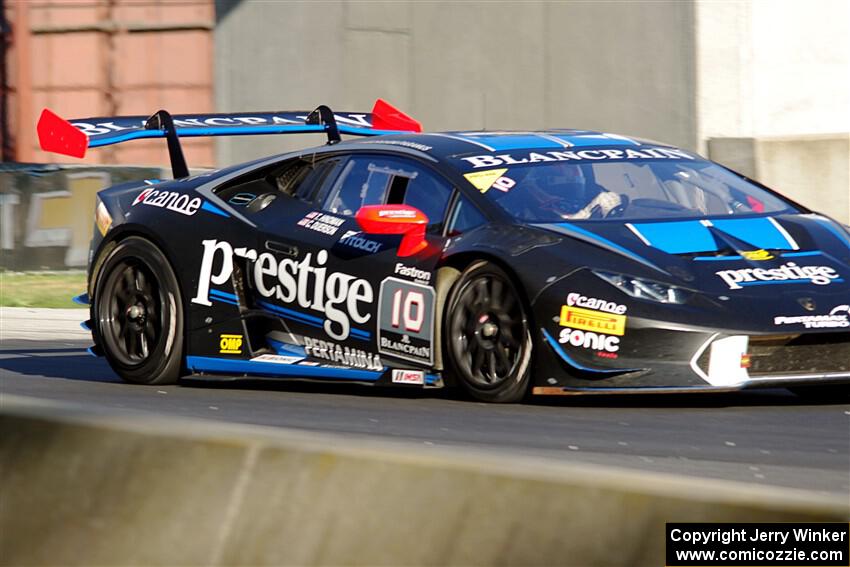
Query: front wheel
point(138, 314)
point(487, 335)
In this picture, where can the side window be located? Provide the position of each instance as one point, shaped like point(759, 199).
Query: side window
point(430, 194)
point(302, 180)
point(363, 181)
point(376, 181)
point(464, 217)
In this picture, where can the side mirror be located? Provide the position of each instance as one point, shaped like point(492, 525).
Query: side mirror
point(395, 219)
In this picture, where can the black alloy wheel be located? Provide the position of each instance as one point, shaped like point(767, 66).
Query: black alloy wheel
point(138, 314)
point(487, 335)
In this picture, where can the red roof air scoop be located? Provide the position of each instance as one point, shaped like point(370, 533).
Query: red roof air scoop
point(387, 117)
point(57, 135)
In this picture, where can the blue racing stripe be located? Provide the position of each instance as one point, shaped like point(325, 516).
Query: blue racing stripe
point(286, 348)
point(717, 258)
point(223, 297)
point(519, 141)
point(780, 282)
point(783, 255)
point(802, 254)
point(237, 131)
point(760, 232)
point(238, 366)
point(678, 237)
point(594, 140)
point(692, 236)
point(223, 300)
point(223, 294)
point(207, 206)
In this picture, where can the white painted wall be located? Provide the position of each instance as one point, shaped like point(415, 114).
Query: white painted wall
point(772, 67)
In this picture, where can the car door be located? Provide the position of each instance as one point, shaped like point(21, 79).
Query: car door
point(404, 305)
point(346, 294)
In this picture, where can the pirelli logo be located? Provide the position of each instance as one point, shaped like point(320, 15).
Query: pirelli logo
point(591, 320)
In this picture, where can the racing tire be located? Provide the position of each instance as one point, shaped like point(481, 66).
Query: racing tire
point(138, 314)
point(487, 335)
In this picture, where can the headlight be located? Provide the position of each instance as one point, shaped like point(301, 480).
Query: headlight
point(102, 218)
point(640, 288)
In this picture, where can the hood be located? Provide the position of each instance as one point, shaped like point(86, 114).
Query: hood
point(760, 256)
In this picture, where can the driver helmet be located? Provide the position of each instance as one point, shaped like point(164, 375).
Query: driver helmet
point(563, 183)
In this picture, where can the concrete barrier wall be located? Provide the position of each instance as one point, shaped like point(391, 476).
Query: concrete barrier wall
point(813, 170)
point(82, 486)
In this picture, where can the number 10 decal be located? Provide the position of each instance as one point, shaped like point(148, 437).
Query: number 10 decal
point(408, 310)
point(406, 320)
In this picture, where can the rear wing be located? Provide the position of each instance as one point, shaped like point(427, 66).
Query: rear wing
point(74, 137)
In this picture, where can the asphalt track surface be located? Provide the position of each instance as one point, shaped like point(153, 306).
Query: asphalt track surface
point(769, 438)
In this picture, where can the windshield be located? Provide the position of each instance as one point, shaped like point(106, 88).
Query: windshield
point(627, 190)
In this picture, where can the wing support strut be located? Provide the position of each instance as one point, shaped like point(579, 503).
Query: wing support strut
point(162, 120)
point(325, 116)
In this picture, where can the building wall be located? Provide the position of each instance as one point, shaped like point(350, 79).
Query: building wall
point(773, 84)
point(462, 65)
point(773, 68)
point(108, 57)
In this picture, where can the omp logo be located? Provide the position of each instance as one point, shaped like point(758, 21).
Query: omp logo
point(591, 320)
point(342, 298)
point(230, 344)
point(757, 255)
point(171, 200)
point(788, 273)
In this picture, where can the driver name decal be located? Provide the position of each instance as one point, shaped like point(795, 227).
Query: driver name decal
point(342, 298)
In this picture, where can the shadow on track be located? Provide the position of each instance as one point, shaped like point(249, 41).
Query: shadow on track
point(69, 363)
point(73, 363)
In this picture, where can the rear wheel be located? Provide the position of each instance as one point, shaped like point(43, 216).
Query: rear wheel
point(138, 314)
point(487, 335)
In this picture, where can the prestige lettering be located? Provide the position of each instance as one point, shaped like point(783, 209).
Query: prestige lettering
point(342, 298)
point(787, 273)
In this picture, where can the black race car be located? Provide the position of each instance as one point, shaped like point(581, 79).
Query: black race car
point(554, 262)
